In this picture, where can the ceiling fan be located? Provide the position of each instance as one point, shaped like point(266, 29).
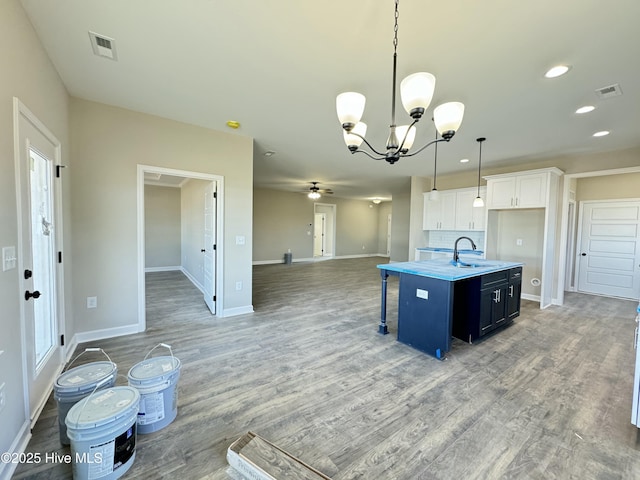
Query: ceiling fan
point(315, 192)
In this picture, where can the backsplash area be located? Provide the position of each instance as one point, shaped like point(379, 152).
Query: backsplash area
point(446, 238)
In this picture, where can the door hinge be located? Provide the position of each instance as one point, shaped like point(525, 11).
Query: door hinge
point(59, 257)
point(215, 194)
point(214, 298)
point(62, 340)
point(214, 247)
point(58, 168)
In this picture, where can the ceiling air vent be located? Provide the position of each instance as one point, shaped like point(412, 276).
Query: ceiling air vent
point(610, 91)
point(103, 46)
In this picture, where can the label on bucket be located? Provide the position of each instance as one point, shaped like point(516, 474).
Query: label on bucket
point(106, 458)
point(151, 408)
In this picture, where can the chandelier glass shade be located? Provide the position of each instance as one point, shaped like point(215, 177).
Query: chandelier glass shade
point(416, 93)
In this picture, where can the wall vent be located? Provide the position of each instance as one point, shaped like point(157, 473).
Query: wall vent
point(610, 91)
point(103, 46)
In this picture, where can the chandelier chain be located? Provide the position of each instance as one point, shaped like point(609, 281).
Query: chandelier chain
point(395, 29)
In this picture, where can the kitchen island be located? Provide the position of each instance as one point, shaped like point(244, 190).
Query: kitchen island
point(438, 300)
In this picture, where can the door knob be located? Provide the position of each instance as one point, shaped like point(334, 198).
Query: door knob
point(27, 274)
point(28, 294)
point(583, 254)
point(202, 250)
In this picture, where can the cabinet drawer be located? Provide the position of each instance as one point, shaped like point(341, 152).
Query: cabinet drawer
point(492, 279)
point(515, 275)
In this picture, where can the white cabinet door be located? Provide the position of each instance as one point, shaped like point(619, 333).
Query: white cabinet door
point(501, 192)
point(531, 191)
point(439, 214)
point(469, 217)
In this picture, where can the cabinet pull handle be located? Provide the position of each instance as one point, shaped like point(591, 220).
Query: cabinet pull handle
point(511, 290)
point(512, 201)
point(495, 296)
point(516, 201)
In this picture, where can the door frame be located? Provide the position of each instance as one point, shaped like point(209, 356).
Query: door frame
point(566, 187)
point(21, 110)
point(333, 208)
point(142, 169)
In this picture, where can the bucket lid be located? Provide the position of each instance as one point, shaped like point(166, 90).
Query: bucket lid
point(153, 368)
point(84, 376)
point(103, 407)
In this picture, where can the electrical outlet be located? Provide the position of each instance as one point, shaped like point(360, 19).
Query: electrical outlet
point(238, 285)
point(92, 302)
point(424, 294)
point(3, 398)
point(519, 242)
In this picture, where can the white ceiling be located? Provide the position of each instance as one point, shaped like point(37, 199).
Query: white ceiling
point(276, 67)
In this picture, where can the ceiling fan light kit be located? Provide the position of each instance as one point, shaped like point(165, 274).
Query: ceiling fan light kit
point(314, 194)
point(416, 92)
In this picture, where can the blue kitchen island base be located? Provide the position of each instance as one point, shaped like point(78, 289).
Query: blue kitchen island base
point(438, 300)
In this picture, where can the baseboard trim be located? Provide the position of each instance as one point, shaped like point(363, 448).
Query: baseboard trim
point(70, 348)
point(104, 333)
point(192, 278)
point(18, 446)
point(232, 312)
point(161, 269)
point(319, 259)
point(533, 298)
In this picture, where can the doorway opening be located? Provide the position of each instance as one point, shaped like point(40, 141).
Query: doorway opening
point(324, 231)
point(201, 249)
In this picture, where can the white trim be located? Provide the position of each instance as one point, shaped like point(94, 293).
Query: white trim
point(232, 312)
point(19, 445)
point(319, 259)
point(70, 349)
point(142, 321)
point(162, 269)
point(198, 285)
point(101, 334)
point(562, 259)
point(533, 298)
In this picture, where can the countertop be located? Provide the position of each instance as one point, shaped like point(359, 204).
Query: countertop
point(441, 268)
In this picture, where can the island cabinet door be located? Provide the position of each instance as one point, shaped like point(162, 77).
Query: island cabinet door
point(513, 293)
point(493, 301)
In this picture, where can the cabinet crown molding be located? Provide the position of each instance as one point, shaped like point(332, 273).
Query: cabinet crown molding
point(553, 170)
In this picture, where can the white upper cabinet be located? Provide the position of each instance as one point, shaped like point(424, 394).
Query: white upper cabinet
point(469, 217)
point(454, 210)
point(519, 190)
point(438, 214)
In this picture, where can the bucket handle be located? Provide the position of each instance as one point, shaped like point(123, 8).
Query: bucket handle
point(95, 389)
point(165, 346)
point(90, 349)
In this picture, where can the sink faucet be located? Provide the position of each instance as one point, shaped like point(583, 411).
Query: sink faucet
point(456, 257)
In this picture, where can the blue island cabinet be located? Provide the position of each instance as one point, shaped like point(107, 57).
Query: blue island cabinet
point(423, 303)
point(438, 301)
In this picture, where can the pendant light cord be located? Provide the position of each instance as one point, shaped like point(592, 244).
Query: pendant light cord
point(435, 162)
point(395, 61)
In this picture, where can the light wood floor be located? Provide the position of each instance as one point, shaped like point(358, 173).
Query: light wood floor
point(549, 397)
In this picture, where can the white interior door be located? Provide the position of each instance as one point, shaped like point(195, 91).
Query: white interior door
point(209, 287)
point(609, 254)
point(319, 234)
point(38, 156)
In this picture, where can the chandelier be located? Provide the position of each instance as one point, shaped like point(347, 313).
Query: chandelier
point(416, 92)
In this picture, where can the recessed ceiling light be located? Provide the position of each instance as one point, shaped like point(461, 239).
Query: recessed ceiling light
point(556, 71)
point(269, 153)
point(586, 109)
point(464, 160)
point(601, 133)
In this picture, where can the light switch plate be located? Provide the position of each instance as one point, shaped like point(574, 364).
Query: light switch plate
point(8, 258)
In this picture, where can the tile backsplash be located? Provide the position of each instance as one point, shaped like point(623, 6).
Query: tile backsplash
point(446, 238)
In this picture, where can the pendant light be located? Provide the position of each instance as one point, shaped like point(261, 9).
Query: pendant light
point(478, 202)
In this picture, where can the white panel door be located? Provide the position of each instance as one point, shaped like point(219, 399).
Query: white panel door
point(209, 286)
point(40, 230)
point(319, 234)
point(609, 255)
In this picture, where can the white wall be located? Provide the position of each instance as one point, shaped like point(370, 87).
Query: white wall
point(27, 74)
point(104, 183)
point(161, 226)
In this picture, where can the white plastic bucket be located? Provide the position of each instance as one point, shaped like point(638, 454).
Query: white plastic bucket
point(102, 430)
point(75, 384)
point(156, 379)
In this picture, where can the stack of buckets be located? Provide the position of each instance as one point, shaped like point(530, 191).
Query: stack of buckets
point(101, 427)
